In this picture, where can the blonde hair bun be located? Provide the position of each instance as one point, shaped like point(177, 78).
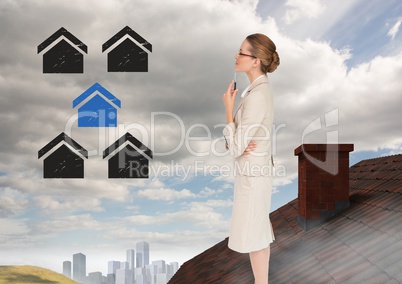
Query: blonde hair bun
point(264, 49)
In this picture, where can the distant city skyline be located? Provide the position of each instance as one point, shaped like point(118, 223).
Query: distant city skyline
point(134, 270)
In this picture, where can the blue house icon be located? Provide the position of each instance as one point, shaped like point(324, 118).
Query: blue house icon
point(97, 107)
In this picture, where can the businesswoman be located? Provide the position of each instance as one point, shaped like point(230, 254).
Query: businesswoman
point(248, 139)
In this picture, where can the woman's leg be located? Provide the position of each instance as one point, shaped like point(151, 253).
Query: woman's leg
point(260, 265)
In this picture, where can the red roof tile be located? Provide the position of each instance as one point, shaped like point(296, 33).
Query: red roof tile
point(361, 244)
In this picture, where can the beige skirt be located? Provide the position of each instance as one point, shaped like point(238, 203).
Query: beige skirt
point(251, 228)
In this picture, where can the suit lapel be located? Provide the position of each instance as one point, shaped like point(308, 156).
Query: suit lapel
point(259, 81)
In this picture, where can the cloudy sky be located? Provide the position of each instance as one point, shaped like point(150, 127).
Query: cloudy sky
point(340, 67)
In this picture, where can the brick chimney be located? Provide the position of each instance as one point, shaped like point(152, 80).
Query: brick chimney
point(323, 182)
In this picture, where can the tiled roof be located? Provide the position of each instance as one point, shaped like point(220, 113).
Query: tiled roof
point(362, 244)
point(218, 264)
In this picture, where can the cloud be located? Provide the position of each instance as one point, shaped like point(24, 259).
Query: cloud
point(301, 9)
point(65, 188)
point(169, 194)
point(10, 227)
point(54, 206)
point(323, 20)
point(209, 192)
point(64, 224)
point(394, 29)
point(165, 194)
point(369, 101)
point(193, 214)
point(12, 202)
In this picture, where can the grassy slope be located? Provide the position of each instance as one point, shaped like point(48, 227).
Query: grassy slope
point(31, 274)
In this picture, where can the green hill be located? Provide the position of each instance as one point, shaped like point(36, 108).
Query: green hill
point(31, 274)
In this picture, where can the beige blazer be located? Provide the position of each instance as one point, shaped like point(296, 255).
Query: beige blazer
point(252, 121)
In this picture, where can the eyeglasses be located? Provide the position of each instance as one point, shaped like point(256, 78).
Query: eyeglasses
point(242, 54)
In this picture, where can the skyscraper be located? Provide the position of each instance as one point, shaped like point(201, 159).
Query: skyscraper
point(94, 278)
point(79, 267)
point(160, 266)
point(124, 276)
point(67, 268)
point(142, 255)
point(174, 266)
point(113, 266)
point(130, 259)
